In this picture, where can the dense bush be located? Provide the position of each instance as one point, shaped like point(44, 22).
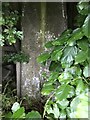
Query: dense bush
point(67, 85)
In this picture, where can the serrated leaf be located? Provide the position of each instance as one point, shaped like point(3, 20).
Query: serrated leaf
point(86, 26)
point(43, 57)
point(81, 57)
point(62, 92)
point(33, 114)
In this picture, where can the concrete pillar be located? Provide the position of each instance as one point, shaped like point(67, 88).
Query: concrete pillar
point(40, 22)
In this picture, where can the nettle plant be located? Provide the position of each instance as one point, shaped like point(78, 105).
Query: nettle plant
point(67, 86)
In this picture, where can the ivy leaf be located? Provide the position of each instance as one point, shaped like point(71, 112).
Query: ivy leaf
point(86, 26)
point(33, 114)
point(86, 71)
point(81, 57)
point(68, 56)
point(62, 92)
point(43, 57)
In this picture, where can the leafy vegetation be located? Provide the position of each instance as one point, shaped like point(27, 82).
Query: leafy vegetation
point(19, 112)
point(16, 57)
point(67, 85)
point(8, 21)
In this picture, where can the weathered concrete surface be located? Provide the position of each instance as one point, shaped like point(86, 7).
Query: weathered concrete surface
point(34, 22)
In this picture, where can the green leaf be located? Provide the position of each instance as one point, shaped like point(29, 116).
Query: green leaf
point(80, 87)
point(59, 41)
point(62, 104)
point(83, 7)
point(53, 76)
point(8, 115)
point(43, 57)
point(63, 38)
point(86, 26)
point(47, 89)
point(76, 35)
point(75, 71)
point(88, 58)
point(79, 20)
point(83, 44)
point(55, 66)
point(49, 44)
point(63, 114)
point(86, 71)
point(74, 103)
point(65, 78)
point(19, 113)
point(33, 114)
point(56, 55)
point(71, 92)
point(49, 109)
point(81, 57)
point(62, 92)
point(68, 56)
point(56, 111)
